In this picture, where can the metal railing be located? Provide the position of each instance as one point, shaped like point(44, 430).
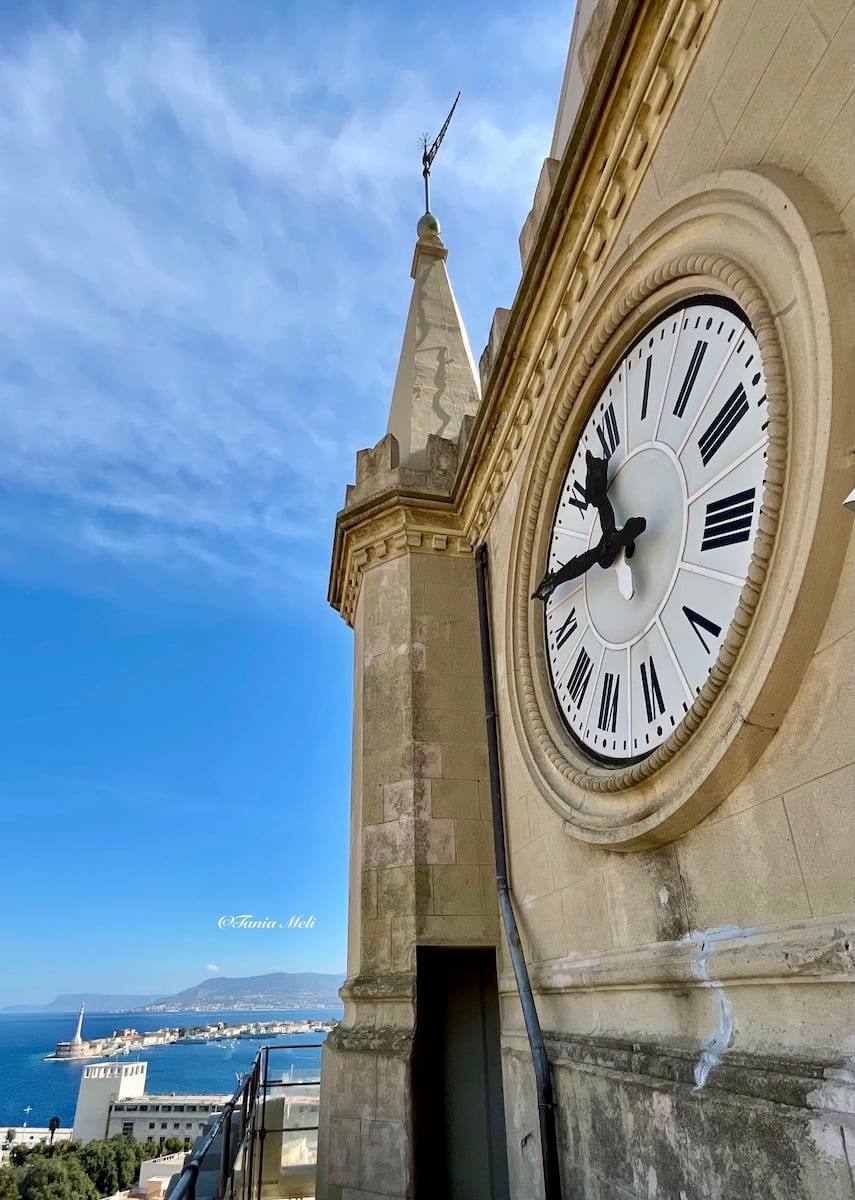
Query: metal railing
point(242, 1156)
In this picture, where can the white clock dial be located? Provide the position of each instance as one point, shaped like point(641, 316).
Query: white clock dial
point(632, 635)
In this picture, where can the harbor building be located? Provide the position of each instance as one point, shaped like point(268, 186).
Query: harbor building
point(112, 1100)
point(157, 1118)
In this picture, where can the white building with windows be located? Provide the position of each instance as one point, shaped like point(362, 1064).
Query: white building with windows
point(112, 1100)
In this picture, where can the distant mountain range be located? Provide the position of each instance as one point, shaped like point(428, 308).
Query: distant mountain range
point(279, 989)
point(94, 1001)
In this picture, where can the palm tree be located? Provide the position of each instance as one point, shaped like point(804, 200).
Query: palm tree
point(53, 1124)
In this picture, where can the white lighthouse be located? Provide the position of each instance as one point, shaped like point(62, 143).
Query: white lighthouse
point(76, 1048)
point(77, 1040)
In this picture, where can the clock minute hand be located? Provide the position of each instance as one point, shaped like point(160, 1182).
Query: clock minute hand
point(603, 554)
point(571, 570)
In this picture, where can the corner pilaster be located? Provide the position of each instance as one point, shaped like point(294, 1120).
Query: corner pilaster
point(421, 846)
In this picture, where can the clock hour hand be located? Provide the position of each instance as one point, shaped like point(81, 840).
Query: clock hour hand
point(571, 570)
point(596, 491)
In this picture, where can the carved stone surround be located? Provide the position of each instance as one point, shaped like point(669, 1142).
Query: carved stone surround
point(767, 241)
point(582, 222)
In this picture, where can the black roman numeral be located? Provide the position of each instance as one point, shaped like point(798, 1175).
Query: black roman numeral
point(608, 703)
point(580, 677)
point(653, 701)
point(567, 629)
point(723, 424)
point(646, 395)
point(698, 623)
point(580, 499)
point(691, 375)
point(607, 432)
point(728, 521)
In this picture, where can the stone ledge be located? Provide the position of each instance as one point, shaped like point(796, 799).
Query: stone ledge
point(398, 986)
point(817, 951)
point(393, 1043)
point(798, 1083)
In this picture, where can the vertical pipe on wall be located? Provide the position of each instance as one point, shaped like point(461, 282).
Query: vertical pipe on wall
point(540, 1061)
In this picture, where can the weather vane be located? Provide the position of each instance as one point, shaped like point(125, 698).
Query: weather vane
point(428, 155)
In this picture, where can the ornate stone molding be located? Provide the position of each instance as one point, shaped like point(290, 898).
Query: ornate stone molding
point(392, 511)
point(748, 237)
point(599, 181)
point(401, 527)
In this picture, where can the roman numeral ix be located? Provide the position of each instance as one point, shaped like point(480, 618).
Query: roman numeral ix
point(567, 629)
point(723, 424)
point(653, 702)
point(691, 375)
point(608, 703)
point(728, 521)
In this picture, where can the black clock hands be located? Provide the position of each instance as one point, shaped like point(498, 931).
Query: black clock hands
point(596, 489)
point(612, 540)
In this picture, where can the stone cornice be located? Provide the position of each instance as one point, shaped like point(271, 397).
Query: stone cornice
point(635, 85)
point(392, 511)
point(810, 952)
point(395, 523)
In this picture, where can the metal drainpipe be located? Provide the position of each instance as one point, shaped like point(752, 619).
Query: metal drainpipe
point(540, 1061)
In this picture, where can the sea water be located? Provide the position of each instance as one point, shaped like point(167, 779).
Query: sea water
point(49, 1089)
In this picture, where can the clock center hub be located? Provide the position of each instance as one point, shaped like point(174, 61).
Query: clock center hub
point(648, 483)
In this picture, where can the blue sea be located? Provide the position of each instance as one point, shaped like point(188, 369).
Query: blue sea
point(50, 1088)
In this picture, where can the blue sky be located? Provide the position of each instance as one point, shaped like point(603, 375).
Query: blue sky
point(207, 214)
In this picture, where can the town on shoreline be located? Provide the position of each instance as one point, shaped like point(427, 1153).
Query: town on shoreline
point(130, 1041)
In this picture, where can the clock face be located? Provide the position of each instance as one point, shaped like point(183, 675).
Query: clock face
point(680, 434)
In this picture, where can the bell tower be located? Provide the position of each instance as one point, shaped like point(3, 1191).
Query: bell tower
point(422, 887)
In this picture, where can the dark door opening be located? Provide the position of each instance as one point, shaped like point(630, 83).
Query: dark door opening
point(460, 1147)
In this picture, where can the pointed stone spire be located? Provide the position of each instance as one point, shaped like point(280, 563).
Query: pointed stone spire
point(437, 382)
point(78, 1033)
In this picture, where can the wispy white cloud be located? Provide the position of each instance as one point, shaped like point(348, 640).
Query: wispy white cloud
point(205, 245)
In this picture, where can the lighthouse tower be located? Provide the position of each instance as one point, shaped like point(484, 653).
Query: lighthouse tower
point(77, 1040)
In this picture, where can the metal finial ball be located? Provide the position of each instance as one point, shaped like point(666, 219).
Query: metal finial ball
point(427, 225)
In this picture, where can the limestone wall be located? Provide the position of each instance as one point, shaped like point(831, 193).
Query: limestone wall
point(733, 940)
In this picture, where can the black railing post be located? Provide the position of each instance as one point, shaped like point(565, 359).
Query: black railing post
point(225, 1150)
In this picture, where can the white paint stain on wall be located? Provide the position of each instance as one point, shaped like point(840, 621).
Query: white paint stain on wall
point(708, 941)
